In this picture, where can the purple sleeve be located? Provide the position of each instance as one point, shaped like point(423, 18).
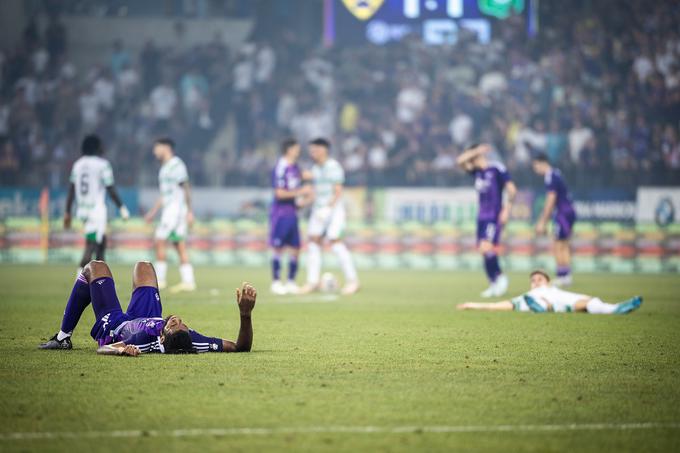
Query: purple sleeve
point(504, 176)
point(205, 344)
point(145, 342)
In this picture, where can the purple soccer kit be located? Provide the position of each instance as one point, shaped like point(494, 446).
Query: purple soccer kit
point(283, 219)
point(141, 325)
point(565, 215)
point(490, 184)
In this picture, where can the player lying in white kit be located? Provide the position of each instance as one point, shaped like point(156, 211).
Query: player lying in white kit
point(544, 297)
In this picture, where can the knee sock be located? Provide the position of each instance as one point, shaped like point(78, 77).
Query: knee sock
point(341, 251)
point(313, 263)
point(76, 305)
point(103, 297)
point(292, 269)
point(491, 266)
point(276, 267)
point(161, 271)
point(597, 307)
point(563, 271)
point(186, 273)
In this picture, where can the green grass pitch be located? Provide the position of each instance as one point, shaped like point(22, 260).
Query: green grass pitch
point(394, 368)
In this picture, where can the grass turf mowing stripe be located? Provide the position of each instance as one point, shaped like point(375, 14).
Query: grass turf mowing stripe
point(223, 432)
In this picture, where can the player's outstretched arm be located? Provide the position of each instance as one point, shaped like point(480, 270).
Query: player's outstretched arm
point(119, 348)
point(245, 298)
point(504, 305)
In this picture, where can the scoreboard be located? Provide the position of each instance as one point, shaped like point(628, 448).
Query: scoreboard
point(380, 22)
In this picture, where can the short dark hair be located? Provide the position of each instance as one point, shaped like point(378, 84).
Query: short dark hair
point(541, 157)
point(167, 141)
point(287, 144)
point(540, 272)
point(92, 145)
point(472, 145)
point(321, 142)
point(178, 342)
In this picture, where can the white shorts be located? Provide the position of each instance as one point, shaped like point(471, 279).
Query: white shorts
point(327, 222)
point(550, 298)
point(173, 225)
point(94, 223)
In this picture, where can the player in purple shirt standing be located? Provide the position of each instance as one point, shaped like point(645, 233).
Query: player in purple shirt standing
point(492, 180)
point(558, 202)
point(141, 328)
point(284, 233)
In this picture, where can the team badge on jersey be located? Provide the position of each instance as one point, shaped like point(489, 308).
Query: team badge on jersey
point(363, 9)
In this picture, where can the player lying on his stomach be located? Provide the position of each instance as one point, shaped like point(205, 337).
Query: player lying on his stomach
point(141, 328)
point(544, 297)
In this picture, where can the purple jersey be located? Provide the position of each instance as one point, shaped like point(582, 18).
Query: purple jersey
point(490, 183)
point(555, 183)
point(145, 334)
point(285, 176)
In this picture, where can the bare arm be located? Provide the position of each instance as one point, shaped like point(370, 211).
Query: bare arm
point(245, 298)
point(464, 159)
point(69, 205)
point(504, 305)
point(187, 198)
point(511, 193)
point(113, 193)
point(153, 211)
point(119, 348)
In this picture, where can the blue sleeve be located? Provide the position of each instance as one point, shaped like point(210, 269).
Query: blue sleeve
point(144, 341)
point(205, 344)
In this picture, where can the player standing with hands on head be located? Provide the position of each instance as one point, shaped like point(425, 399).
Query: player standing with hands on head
point(327, 219)
point(557, 200)
point(491, 181)
point(176, 215)
point(283, 219)
point(91, 179)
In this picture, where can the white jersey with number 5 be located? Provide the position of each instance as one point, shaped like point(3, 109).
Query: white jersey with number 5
point(326, 177)
point(91, 175)
point(171, 175)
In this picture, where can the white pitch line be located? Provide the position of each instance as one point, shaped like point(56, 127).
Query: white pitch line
point(227, 432)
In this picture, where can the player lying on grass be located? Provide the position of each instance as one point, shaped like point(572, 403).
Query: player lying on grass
point(141, 328)
point(544, 297)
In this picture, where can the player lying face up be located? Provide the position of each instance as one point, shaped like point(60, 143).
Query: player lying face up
point(543, 297)
point(141, 328)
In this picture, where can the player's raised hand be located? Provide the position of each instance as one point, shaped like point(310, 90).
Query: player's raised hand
point(67, 221)
point(245, 298)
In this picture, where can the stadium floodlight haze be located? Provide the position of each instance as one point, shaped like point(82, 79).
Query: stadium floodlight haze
point(393, 215)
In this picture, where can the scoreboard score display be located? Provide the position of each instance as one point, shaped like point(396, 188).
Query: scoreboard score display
point(436, 22)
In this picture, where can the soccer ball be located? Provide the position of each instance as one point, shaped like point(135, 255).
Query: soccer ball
point(329, 284)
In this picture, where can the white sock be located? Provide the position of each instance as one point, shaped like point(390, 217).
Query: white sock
point(341, 251)
point(161, 270)
point(313, 263)
point(597, 307)
point(186, 272)
point(61, 335)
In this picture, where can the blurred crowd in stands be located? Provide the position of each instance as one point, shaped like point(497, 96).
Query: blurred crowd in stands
point(598, 90)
